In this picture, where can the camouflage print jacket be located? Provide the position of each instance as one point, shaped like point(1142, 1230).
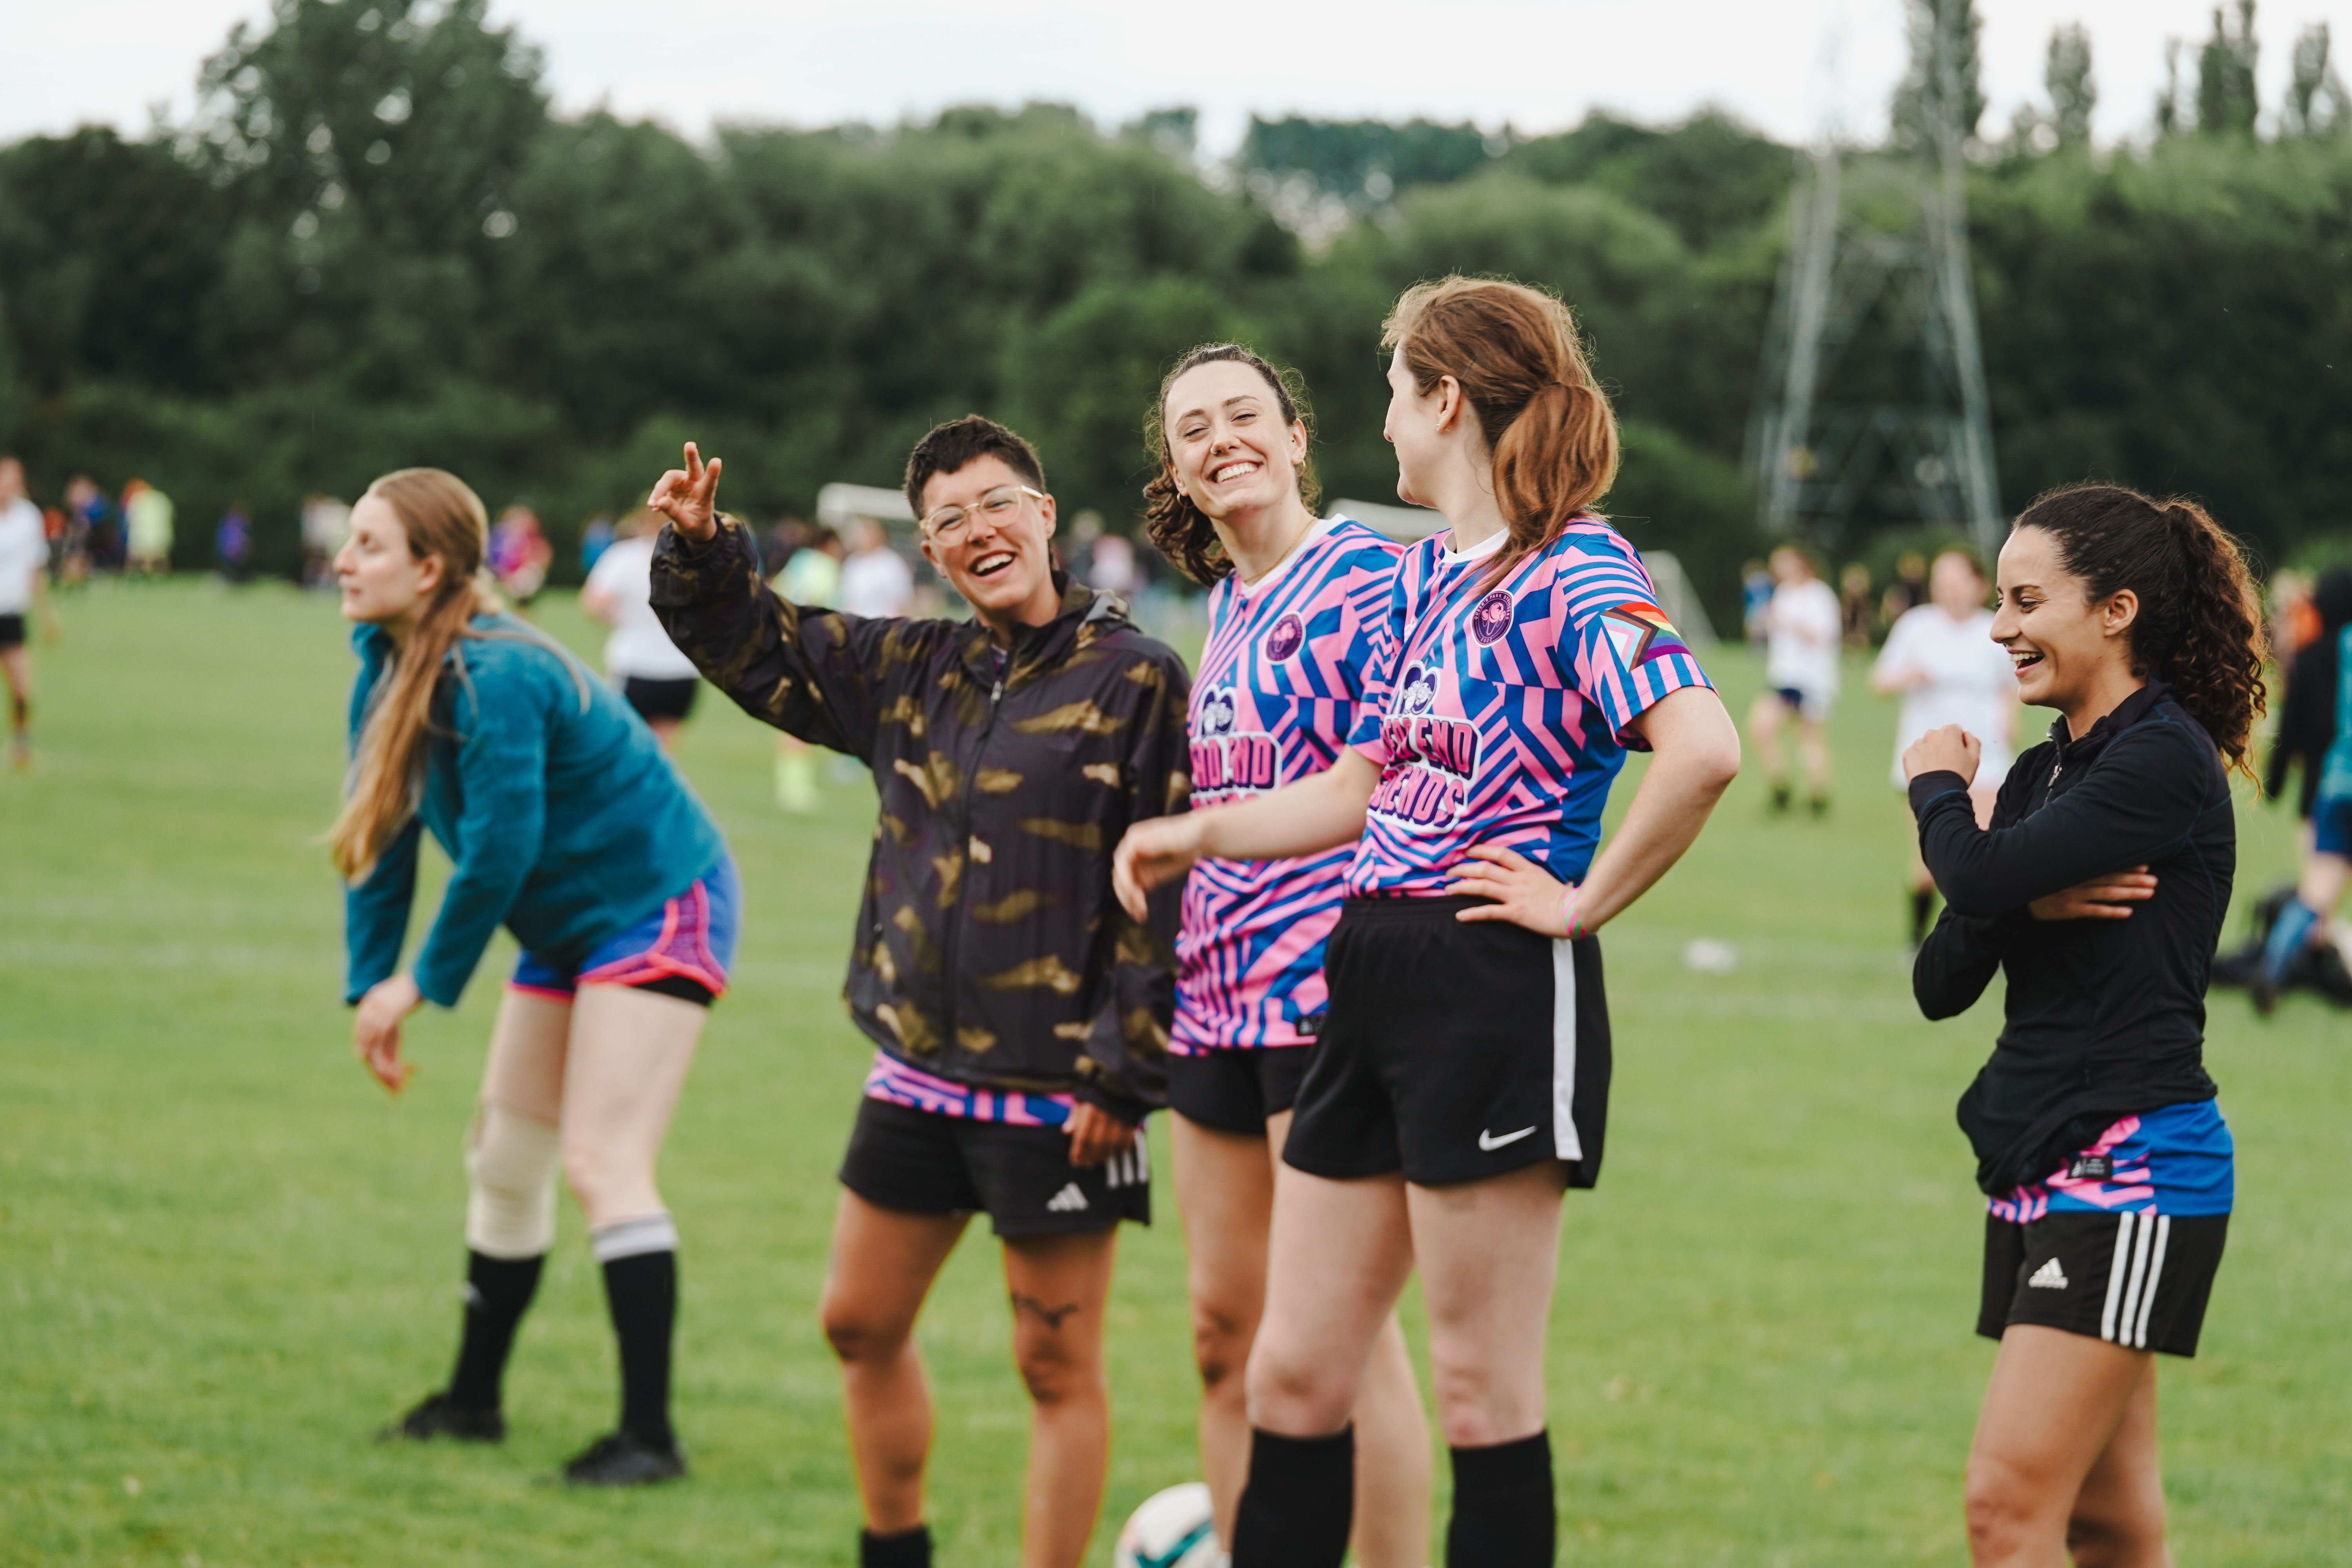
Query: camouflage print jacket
point(990, 949)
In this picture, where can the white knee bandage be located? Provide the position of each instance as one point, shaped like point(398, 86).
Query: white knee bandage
point(510, 1164)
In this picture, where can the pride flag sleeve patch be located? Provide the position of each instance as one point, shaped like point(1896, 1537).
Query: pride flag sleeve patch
point(1639, 633)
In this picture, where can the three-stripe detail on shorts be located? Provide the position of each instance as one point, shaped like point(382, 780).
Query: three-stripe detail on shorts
point(1130, 1169)
point(2132, 1278)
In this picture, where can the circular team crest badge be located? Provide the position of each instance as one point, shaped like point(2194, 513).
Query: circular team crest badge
point(1492, 618)
point(1288, 635)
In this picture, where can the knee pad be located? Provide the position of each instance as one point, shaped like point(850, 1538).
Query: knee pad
point(510, 1164)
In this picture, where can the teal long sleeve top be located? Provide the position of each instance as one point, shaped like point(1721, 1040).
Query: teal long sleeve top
point(561, 818)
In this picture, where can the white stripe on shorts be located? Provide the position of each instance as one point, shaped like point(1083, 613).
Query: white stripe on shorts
point(2155, 1273)
point(1564, 1141)
point(2116, 1275)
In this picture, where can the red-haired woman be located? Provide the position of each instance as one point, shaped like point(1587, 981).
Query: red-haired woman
point(1461, 1079)
point(2097, 1135)
point(564, 822)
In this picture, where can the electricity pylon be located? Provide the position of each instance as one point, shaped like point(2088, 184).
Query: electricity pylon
point(1919, 439)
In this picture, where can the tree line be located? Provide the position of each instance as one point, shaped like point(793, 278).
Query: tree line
point(375, 245)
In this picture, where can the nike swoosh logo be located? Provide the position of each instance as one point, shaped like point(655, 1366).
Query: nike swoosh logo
point(1489, 1142)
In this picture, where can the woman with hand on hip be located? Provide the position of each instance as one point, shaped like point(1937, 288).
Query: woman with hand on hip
point(564, 822)
point(1460, 1081)
point(2099, 889)
point(1298, 621)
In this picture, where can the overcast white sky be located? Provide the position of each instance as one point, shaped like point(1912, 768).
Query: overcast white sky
point(1787, 66)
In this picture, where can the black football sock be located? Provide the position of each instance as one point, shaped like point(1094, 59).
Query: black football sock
point(906, 1549)
point(1299, 1501)
point(1503, 1511)
point(640, 1259)
point(497, 1292)
point(1923, 904)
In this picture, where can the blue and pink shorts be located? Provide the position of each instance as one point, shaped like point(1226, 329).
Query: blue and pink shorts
point(682, 949)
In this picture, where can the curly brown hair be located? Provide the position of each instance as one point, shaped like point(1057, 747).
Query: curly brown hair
point(2199, 627)
point(1180, 530)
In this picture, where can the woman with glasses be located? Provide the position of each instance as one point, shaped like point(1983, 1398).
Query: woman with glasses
point(1018, 1014)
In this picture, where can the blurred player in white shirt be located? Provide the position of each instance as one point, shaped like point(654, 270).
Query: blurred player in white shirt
point(1801, 676)
point(1941, 659)
point(659, 681)
point(23, 551)
point(876, 579)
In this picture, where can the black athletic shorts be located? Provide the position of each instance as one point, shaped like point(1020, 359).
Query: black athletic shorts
point(12, 632)
point(1022, 1176)
point(2134, 1279)
point(1452, 1051)
point(1235, 1091)
point(661, 699)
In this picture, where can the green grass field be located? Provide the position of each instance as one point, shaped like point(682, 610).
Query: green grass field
point(225, 1256)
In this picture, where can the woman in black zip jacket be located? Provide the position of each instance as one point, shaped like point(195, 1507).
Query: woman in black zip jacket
point(2100, 890)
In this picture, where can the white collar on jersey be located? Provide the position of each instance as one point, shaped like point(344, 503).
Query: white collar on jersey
point(1449, 556)
point(1298, 547)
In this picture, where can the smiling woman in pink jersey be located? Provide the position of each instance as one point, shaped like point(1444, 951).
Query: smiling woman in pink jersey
point(1298, 623)
point(1461, 1076)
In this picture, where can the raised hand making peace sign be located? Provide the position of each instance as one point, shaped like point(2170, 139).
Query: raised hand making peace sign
point(688, 496)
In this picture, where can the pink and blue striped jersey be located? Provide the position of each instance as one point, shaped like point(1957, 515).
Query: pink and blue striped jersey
point(2177, 1161)
point(893, 1081)
point(1282, 684)
point(1504, 712)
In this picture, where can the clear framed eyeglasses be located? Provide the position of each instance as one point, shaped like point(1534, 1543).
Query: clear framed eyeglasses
point(996, 507)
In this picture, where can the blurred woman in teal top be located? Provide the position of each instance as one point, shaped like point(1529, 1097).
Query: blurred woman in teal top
point(564, 823)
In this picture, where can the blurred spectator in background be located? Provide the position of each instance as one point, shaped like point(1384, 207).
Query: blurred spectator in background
point(519, 554)
point(325, 522)
point(1801, 676)
point(53, 534)
point(596, 538)
point(2294, 619)
point(23, 590)
point(783, 542)
point(659, 681)
point(1853, 604)
point(811, 575)
point(1907, 592)
point(2307, 725)
point(1755, 598)
point(100, 532)
point(875, 578)
point(1941, 658)
point(147, 515)
point(232, 545)
point(74, 567)
point(1113, 568)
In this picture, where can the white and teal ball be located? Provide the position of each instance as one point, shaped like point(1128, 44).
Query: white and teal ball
point(1174, 1528)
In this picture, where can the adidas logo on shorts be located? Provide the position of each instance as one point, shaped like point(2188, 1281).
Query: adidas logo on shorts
point(2049, 1277)
point(1069, 1200)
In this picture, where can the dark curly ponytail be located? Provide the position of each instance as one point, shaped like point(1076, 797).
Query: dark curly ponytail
point(1182, 530)
point(2199, 627)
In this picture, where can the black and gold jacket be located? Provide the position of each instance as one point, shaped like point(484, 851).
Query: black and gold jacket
point(990, 949)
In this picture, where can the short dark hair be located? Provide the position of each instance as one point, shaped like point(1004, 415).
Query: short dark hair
point(950, 445)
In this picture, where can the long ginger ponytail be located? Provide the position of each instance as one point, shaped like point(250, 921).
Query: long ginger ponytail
point(442, 517)
point(1516, 356)
point(2199, 627)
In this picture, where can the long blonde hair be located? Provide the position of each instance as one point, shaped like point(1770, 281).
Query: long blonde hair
point(442, 517)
